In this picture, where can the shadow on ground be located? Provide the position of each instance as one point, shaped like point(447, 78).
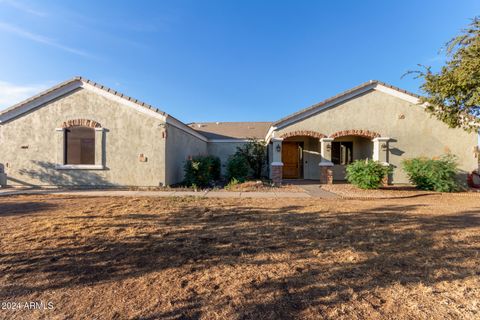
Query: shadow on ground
point(332, 255)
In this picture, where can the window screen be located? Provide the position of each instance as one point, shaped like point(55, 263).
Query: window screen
point(80, 145)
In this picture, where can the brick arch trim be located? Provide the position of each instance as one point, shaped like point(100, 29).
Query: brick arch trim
point(308, 133)
point(359, 133)
point(81, 123)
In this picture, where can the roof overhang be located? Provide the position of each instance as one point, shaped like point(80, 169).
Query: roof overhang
point(340, 98)
point(80, 82)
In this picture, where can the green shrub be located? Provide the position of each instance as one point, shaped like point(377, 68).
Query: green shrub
point(237, 168)
point(367, 174)
point(232, 184)
point(201, 171)
point(433, 174)
point(255, 153)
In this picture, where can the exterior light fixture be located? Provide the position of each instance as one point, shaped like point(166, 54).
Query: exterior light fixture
point(384, 147)
point(329, 147)
point(278, 148)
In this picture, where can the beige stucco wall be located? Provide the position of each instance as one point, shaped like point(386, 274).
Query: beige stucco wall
point(180, 146)
point(417, 134)
point(128, 134)
point(223, 150)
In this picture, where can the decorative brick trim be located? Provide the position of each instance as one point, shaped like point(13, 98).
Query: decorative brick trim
point(308, 133)
point(359, 133)
point(81, 123)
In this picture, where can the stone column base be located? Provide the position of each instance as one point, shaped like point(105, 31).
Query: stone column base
point(277, 174)
point(326, 174)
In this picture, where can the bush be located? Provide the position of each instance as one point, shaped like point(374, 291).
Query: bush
point(367, 174)
point(237, 168)
point(255, 153)
point(201, 171)
point(433, 174)
point(234, 182)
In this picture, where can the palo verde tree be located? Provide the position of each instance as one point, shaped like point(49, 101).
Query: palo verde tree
point(453, 94)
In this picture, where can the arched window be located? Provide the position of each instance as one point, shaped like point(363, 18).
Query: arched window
point(79, 145)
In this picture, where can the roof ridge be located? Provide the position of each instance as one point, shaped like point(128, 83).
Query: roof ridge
point(196, 122)
point(90, 82)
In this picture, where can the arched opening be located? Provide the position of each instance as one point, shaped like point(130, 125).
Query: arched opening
point(300, 155)
point(79, 145)
point(346, 149)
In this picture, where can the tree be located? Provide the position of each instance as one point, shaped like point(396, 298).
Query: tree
point(255, 152)
point(453, 93)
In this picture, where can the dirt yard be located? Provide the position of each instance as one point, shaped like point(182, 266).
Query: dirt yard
point(189, 258)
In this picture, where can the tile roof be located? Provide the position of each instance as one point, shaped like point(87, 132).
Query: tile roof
point(93, 83)
point(232, 130)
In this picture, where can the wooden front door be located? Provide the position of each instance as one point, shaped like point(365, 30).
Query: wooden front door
point(290, 159)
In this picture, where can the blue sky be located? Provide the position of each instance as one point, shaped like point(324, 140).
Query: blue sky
point(223, 60)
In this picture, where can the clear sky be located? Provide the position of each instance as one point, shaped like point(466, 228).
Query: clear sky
point(223, 60)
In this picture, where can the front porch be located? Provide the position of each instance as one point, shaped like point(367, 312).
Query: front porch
point(314, 156)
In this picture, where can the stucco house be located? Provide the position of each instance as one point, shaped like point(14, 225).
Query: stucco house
point(82, 133)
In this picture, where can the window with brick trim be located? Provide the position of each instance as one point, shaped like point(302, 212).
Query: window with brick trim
point(79, 145)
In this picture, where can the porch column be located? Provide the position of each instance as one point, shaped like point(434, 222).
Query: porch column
point(276, 167)
point(99, 147)
point(326, 164)
point(380, 149)
point(380, 153)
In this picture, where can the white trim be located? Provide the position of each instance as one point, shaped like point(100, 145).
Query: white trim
point(40, 100)
point(325, 164)
point(123, 101)
point(393, 92)
point(381, 139)
point(313, 111)
point(277, 139)
point(270, 134)
point(277, 164)
point(323, 140)
point(227, 140)
point(79, 167)
point(180, 125)
point(373, 86)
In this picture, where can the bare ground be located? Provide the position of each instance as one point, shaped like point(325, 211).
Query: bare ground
point(190, 258)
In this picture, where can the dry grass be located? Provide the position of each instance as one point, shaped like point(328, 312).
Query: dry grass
point(189, 258)
point(262, 186)
point(350, 191)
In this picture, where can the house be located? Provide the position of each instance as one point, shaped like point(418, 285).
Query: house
point(82, 133)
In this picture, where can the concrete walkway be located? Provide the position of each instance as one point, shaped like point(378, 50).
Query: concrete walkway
point(128, 193)
point(312, 187)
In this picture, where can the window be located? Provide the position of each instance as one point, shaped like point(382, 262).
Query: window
point(79, 145)
point(342, 152)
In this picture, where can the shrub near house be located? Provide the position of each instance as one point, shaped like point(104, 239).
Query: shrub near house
point(201, 171)
point(433, 174)
point(367, 174)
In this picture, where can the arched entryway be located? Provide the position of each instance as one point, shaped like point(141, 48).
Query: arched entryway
point(345, 150)
point(313, 155)
point(300, 154)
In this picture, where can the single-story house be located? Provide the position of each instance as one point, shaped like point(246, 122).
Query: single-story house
point(81, 133)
